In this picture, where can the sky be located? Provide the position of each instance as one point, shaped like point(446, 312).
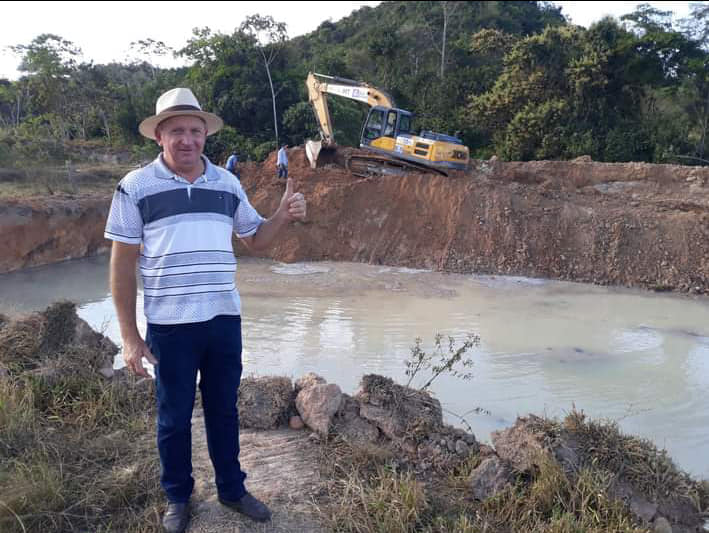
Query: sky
point(104, 30)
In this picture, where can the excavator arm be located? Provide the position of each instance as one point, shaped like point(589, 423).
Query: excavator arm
point(319, 86)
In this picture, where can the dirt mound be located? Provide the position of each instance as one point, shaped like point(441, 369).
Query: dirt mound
point(54, 342)
point(632, 224)
point(634, 471)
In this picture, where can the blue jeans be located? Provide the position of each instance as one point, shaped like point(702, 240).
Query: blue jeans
point(214, 348)
point(282, 171)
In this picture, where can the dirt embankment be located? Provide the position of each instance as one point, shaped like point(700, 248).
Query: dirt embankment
point(38, 231)
point(629, 224)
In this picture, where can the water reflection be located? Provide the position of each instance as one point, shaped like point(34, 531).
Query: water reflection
point(636, 357)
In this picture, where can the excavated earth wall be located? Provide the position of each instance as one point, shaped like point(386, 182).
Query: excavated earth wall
point(626, 224)
point(39, 231)
point(629, 224)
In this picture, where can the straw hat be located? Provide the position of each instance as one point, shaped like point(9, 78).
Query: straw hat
point(174, 103)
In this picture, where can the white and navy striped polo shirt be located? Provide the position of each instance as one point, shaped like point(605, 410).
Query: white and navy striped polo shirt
point(187, 261)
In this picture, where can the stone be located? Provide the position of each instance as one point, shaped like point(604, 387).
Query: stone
point(384, 420)
point(349, 425)
point(642, 508)
point(662, 525)
point(461, 448)
point(296, 422)
point(317, 405)
point(470, 439)
point(308, 380)
point(489, 478)
point(396, 410)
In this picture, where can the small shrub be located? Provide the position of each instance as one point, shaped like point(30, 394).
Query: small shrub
point(422, 361)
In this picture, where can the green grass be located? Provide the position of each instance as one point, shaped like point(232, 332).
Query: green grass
point(53, 180)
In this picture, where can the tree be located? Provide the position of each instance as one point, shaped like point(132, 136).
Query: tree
point(228, 79)
point(563, 93)
point(270, 37)
point(150, 49)
point(49, 60)
point(677, 55)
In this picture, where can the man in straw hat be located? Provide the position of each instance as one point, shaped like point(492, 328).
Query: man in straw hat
point(182, 210)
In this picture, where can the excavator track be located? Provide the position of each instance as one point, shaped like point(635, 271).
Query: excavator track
point(372, 165)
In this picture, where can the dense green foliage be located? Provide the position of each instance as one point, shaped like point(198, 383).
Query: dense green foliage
point(512, 78)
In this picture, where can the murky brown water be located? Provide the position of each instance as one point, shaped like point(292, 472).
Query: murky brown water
point(632, 356)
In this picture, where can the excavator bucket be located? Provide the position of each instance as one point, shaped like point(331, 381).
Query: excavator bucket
point(312, 151)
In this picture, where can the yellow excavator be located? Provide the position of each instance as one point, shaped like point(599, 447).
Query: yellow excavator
point(386, 134)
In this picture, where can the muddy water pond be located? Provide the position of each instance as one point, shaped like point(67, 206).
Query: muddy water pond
point(639, 358)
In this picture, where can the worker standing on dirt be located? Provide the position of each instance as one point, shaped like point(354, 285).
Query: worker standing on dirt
point(231, 165)
point(182, 210)
point(282, 162)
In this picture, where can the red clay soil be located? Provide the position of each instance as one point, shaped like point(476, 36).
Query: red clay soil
point(42, 230)
point(631, 224)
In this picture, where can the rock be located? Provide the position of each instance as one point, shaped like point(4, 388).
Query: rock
point(461, 448)
point(583, 159)
point(349, 425)
point(489, 478)
point(567, 454)
point(264, 402)
point(396, 410)
point(382, 418)
point(317, 405)
point(470, 439)
point(296, 422)
point(519, 445)
point(642, 508)
point(106, 372)
point(661, 525)
point(308, 380)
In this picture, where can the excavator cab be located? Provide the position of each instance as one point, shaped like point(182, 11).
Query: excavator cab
point(385, 122)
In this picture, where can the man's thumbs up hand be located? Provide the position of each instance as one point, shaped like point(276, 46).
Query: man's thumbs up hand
point(293, 203)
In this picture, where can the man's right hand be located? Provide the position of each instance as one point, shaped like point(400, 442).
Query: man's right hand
point(133, 353)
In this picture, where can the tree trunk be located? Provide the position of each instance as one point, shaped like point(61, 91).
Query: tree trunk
point(106, 126)
point(273, 96)
point(443, 40)
point(17, 116)
point(703, 139)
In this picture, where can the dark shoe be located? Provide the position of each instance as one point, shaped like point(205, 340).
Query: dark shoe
point(249, 506)
point(176, 517)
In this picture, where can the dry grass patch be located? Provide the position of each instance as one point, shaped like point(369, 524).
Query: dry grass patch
point(77, 451)
point(373, 490)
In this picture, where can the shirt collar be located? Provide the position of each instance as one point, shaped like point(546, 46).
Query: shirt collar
point(162, 170)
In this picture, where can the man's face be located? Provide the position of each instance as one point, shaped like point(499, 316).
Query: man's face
point(182, 139)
